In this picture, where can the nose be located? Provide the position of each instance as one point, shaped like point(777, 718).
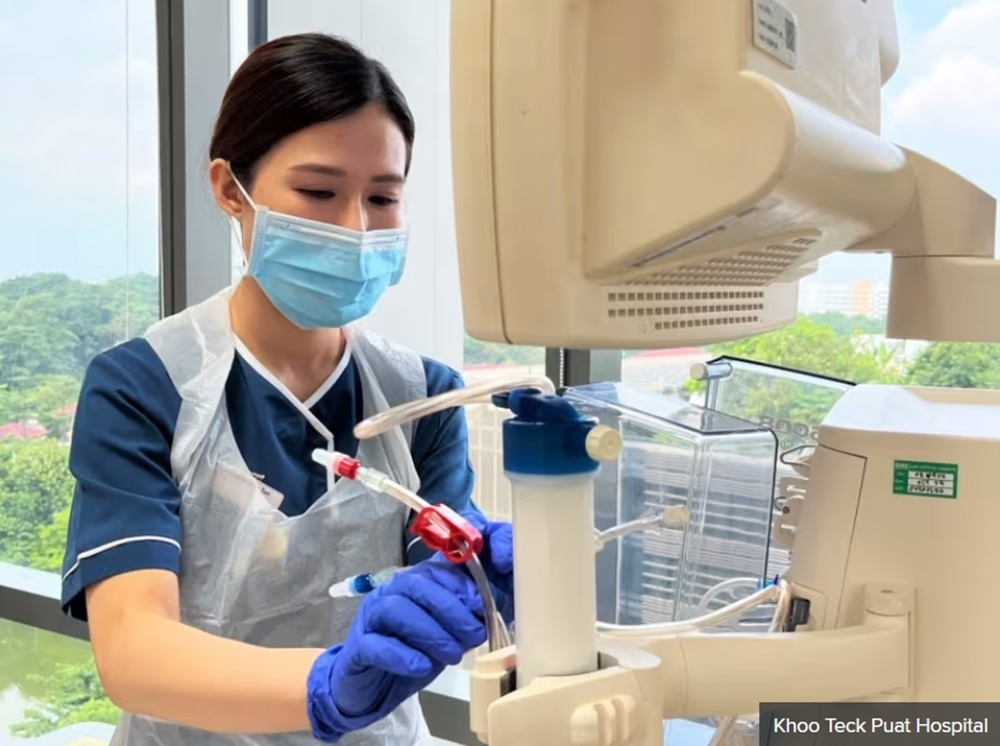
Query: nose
point(353, 215)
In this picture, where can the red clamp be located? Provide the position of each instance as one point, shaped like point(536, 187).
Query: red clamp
point(445, 531)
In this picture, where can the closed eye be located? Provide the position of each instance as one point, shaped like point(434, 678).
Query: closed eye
point(316, 193)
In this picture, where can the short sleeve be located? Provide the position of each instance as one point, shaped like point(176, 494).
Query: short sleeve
point(125, 514)
point(440, 452)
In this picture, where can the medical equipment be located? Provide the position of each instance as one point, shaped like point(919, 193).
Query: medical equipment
point(655, 173)
point(360, 585)
point(438, 526)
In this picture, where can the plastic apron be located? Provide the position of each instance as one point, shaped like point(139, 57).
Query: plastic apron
point(251, 573)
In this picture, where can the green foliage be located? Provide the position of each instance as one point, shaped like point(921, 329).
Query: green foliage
point(957, 365)
point(35, 485)
point(50, 544)
point(493, 353)
point(73, 694)
point(51, 327)
point(795, 405)
point(846, 326)
point(812, 346)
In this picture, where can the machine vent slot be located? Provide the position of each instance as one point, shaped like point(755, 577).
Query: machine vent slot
point(687, 309)
point(721, 292)
point(752, 268)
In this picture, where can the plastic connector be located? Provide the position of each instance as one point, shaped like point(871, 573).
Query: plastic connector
point(445, 531)
point(338, 463)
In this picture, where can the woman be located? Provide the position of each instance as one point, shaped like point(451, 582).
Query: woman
point(203, 538)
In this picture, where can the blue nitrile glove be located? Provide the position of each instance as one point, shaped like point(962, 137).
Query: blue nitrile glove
point(498, 560)
point(404, 635)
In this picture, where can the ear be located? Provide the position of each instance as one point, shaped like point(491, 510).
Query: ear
point(225, 190)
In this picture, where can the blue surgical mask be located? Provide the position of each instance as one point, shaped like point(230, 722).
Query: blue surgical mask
point(319, 274)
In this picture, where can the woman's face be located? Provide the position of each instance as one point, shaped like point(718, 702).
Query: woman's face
point(349, 172)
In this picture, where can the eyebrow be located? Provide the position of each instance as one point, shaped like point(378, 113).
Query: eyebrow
point(319, 168)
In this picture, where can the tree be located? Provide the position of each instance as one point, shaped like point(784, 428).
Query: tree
point(35, 485)
point(847, 326)
point(477, 352)
point(957, 365)
point(53, 325)
point(50, 545)
point(794, 405)
point(73, 694)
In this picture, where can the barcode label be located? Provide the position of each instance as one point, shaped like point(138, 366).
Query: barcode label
point(790, 35)
point(775, 31)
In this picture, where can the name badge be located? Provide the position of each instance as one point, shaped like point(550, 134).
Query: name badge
point(238, 487)
point(273, 497)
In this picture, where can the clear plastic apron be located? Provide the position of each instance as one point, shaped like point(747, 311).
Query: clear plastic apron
point(251, 573)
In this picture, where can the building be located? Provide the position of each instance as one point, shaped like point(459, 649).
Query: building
point(29, 430)
point(858, 298)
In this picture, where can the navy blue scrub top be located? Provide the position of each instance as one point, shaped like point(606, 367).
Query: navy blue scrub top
point(125, 514)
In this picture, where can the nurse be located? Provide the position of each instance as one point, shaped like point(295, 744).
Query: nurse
point(203, 538)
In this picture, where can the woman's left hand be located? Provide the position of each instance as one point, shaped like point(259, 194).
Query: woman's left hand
point(497, 558)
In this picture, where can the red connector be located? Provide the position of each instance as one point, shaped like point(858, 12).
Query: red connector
point(345, 466)
point(445, 531)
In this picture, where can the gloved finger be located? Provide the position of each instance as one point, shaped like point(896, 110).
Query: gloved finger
point(444, 578)
point(498, 543)
point(387, 654)
point(400, 617)
point(461, 619)
point(501, 541)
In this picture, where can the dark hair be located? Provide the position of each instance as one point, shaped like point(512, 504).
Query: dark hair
point(295, 82)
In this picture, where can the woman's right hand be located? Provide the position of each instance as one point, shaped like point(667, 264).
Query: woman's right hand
point(404, 635)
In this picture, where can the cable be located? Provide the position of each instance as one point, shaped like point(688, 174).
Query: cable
point(400, 415)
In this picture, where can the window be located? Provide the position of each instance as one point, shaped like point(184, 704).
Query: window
point(79, 273)
point(491, 361)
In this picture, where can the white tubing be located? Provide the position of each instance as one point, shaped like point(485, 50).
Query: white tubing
point(726, 586)
point(712, 619)
point(555, 593)
point(414, 410)
point(725, 727)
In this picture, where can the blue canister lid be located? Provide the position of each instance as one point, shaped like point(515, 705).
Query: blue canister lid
point(547, 436)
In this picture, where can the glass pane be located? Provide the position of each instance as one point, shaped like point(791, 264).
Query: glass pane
point(49, 685)
point(492, 361)
point(79, 272)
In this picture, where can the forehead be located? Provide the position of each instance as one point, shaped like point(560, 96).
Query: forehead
point(362, 143)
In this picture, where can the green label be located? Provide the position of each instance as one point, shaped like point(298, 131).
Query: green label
point(925, 479)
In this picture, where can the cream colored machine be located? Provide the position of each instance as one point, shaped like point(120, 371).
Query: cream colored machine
point(657, 173)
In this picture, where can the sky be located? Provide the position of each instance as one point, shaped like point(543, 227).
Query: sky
point(78, 135)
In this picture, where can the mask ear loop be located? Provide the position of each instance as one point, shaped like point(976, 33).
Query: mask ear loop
point(238, 228)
